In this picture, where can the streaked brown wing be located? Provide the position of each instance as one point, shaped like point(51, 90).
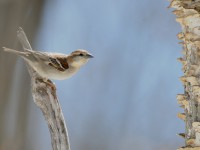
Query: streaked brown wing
point(60, 63)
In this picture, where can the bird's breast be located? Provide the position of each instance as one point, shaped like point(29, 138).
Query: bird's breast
point(61, 75)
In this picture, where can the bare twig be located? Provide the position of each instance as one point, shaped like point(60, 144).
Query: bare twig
point(44, 96)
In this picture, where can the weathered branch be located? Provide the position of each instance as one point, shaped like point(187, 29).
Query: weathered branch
point(188, 15)
point(44, 96)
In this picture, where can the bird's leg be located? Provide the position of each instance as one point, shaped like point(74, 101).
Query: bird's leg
point(48, 83)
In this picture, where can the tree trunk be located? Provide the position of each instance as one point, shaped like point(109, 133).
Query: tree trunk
point(188, 15)
point(14, 97)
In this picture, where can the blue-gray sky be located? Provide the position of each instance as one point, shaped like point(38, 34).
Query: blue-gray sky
point(125, 98)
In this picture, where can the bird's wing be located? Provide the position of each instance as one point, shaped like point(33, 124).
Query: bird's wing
point(55, 60)
point(37, 54)
point(58, 62)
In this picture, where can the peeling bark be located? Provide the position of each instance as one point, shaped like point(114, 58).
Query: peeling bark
point(44, 96)
point(188, 15)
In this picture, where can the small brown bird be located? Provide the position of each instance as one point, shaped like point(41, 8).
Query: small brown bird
point(54, 65)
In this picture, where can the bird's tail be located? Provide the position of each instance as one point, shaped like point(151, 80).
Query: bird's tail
point(14, 51)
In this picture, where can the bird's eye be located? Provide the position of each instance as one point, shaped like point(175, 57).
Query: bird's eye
point(80, 54)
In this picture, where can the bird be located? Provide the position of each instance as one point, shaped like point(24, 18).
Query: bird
point(55, 66)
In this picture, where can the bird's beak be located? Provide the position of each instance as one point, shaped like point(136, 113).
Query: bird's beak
point(90, 56)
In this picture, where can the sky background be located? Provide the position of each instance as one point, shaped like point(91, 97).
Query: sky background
point(124, 98)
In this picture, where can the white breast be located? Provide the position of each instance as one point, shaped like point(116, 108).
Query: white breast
point(51, 73)
point(59, 75)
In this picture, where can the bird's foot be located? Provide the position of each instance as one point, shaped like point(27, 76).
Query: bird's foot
point(51, 84)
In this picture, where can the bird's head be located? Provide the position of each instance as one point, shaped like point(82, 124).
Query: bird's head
point(80, 57)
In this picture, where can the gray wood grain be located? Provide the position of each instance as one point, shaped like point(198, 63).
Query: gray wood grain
point(44, 96)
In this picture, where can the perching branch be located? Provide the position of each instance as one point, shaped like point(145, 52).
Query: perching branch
point(44, 96)
point(188, 15)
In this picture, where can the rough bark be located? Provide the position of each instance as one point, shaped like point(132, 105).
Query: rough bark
point(188, 15)
point(44, 96)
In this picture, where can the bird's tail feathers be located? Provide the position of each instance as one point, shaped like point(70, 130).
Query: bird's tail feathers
point(14, 51)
